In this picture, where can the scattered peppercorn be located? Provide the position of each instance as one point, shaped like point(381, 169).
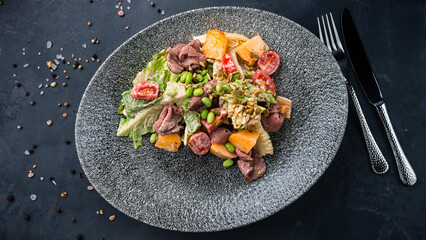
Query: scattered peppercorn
point(27, 217)
point(152, 4)
point(67, 77)
point(64, 115)
point(66, 104)
point(65, 71)
point(63, 61)
point(79, 59)
point(76, 63)
point(27, 93)
point(67, 141)
point(32, 102)
point(99, 60)
point(127, 27)
point(80, 67)
point(58, 210)
point(73, 66)
point(73, 220)
point(30, 151)
point(64, 84)
point(19, 127)
point(18, 84)
point(54, 75)
point(59, 104)
point(64, 194)
point(97, 41)
point(90, 1)
point(89, 24)
point(79, 237)
point(80, 175)
point(10, 198)
point(158, 10)
point(102, 238)
point(34, 146)
point(15, 65)
point(50, 178)
point(72, 171)
point(94, 56)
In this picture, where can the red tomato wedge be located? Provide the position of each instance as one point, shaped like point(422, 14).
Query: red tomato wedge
point(146, 91)
point(263, 80)
point(227, 64)
point(269, 62)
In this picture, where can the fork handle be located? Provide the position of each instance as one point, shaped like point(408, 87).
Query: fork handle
point(377, 160)
point(406, 172)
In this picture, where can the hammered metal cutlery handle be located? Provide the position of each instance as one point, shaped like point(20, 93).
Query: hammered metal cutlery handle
point(378, 161)
point(406, 172)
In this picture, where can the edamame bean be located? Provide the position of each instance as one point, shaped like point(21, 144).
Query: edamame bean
point(204, 72)
point(198, 92)
point(230, 147)
point(228, 162)
point(204, 113)
point(189, 91)
point(228, 89)
point(200, 78)
point(182, 78)
point(188, 78)
point(153, 137)
point(210, 117)
point(206, 101)
point(170, 92)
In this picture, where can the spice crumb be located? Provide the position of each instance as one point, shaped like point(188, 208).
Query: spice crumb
point(80, 175)
point(112, 217)
point(49, 122)
point(64, 194)
point(64, 84)
point(27, 217)
point(30, 175)
point(73, 220)
point(80, 67)
point(19, 127)
point(58, 210)
point(64, 115)
point(59, 104)
point(72, 171)
point(101, 212)
point(89, 24)
point(127, 27)
point(79, 237)
point(10, 198)
point(66, 104)
point(33, 197)
point(67, 141)
point(18, 84)
point(98, 60)
point(53, 84)
point(152, 4)
point(67, 77)
point(32, 102)
point(34, 166)
point(15, 65)
point(90, 187)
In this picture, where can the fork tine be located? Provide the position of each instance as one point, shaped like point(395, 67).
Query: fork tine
point(331, 34)
point(339, 44)
point(327, 43)
point(319, 30)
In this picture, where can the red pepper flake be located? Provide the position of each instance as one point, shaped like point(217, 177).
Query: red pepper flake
point(58, 210)
point(64, 115)
point(10, 198)
point(31, 175)
point(80, 175)
point(64, 194)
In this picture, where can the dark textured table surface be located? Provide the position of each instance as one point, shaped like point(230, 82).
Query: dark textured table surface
point(348, 202)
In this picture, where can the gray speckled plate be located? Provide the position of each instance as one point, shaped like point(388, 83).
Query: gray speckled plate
point(185, 192)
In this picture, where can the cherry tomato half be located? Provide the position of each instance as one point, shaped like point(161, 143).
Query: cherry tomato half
point(147, 91)
point(227, 64)
point(263, 80)
point(269, 62)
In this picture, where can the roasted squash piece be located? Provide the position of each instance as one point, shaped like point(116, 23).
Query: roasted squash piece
point(169, 142)
point(252, 49)
point(215, 45)
point(221, 151)
point(244, 140)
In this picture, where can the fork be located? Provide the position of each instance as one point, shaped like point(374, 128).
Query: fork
point(332, 41)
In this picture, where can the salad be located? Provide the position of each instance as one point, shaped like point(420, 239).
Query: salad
point(214, 94)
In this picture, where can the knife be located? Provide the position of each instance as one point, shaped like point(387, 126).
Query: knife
point(371, 89)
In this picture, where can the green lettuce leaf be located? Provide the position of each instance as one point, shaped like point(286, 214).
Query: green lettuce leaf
point(193, 124)
point(132, 106)
point(157, 66)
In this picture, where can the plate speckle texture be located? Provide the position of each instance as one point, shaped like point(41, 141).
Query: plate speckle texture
point(185, 192)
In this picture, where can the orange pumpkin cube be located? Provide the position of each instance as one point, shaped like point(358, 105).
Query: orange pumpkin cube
point(244, 140)
point(215, 45)
point(169, 142)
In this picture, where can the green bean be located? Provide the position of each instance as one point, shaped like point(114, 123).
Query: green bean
point(210, 117)
point(236, 76)
point(170, 92)
point(188, 78)
point(230, 147)
point(206, 101)
point(198, 92)
point(204, 72)
point(153, 137)
point(189, 91)
point(228, 163)
point(204, 113)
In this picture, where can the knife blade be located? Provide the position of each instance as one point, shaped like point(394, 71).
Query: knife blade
point(366, 78)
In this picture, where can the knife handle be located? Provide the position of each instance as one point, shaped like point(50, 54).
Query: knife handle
point(406, 172)
point(378, 161)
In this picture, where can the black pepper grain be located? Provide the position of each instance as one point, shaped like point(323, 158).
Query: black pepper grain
point(64, 62)
point(66, 104)
point(67, 141)
point(80, 175)
point(54, 75)
point(32, 102)
point(79, 237)
point(51, 178)
point(15, 65)
point(102, 238)
point(158, 10)
point(72, 171)
point(76, 63)
point(90, 1)
point(30, 151)
point(152, 4)
point(10, 198)
point(27, 217)
point(18, 84)
point(34, 146)
point(58, 210)
point(27, 93)
point(73, 220)
point(94, 56)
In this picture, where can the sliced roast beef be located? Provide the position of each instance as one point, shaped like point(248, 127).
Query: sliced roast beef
point(252, 167)
point(196, 104)
point(169, 119)
point(273, 122)
point(220, 135)
point(183, 56)
point(218, 120)
point(243, 156)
